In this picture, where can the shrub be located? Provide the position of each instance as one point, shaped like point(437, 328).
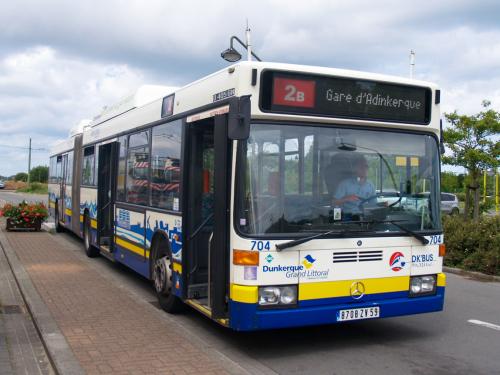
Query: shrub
point(14, 185)
point(21, 176)
point(473, 245)
point(34, 188)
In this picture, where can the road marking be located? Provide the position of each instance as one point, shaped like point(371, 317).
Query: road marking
point(484, 324)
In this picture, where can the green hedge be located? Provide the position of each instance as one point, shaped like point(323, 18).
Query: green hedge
point(473, 245)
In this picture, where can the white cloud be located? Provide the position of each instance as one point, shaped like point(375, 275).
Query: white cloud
point(43, 94)
point(62, 61)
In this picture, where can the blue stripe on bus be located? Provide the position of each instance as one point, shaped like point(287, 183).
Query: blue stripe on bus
point(132, 261)
point(248, 317)
point(132, 235)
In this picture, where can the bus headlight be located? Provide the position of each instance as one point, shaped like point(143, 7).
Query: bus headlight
point(277, 295)
point(422, 285)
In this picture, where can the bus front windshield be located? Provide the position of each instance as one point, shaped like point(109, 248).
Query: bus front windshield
point(297, 179)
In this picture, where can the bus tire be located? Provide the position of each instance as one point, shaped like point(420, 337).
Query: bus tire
point(90, 250)
point(162, 277)
point(59, 227)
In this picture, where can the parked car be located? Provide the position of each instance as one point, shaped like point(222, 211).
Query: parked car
point(388, 197)
point(449, 204)
point(2, 185)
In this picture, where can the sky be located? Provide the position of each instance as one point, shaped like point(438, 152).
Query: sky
point(63, 61)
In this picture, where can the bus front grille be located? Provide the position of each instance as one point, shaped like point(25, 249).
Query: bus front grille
point(357, 256)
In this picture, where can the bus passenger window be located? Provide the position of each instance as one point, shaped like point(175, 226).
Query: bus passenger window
point(122, 169)
point(165, 164)
point(138, 169)
point(88, 166)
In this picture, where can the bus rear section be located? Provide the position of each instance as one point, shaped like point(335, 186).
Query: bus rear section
point(304, 254)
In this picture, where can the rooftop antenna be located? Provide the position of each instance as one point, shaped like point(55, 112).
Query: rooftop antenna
point(412, 63)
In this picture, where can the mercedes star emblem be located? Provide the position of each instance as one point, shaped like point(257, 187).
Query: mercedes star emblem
point(357, 290)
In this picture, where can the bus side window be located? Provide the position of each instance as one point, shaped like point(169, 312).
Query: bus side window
point(69, 169)
point(165, 164)
point(122, 169)
point(88, 166)
point(59, 169)
point(138, 168)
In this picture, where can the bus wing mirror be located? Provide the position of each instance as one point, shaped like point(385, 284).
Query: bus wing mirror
point(239, 118)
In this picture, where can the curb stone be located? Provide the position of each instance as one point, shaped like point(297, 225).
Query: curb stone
point(49, 227)
point(57, 347)
point(477, 275)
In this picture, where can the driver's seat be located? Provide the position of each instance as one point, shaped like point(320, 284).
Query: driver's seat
point(338, 170)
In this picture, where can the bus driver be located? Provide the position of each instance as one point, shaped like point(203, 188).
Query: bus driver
point(353, 190)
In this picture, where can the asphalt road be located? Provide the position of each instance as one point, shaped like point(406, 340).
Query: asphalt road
point(13, 197)
point(436, 343)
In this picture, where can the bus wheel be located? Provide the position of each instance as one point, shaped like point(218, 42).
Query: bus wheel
point(163, 281)
point(59, 227)
point(90, 250)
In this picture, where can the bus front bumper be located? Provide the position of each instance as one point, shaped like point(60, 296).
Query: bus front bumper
point(249, 316)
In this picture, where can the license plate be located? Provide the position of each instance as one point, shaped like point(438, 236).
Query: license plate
point(357, 314)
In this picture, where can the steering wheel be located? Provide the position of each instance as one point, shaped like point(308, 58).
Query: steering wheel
point(363, 201)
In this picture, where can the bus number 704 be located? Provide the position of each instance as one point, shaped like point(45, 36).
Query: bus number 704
point(261, 245)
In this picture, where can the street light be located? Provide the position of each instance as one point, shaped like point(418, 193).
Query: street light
point(232, 55)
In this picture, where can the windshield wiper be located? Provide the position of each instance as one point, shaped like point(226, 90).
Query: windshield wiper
point(419, 237)
point(299, 241)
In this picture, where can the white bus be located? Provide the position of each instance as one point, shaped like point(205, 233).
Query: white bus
point(266, 195)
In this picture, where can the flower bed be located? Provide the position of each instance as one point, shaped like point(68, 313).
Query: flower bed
point(24, 216)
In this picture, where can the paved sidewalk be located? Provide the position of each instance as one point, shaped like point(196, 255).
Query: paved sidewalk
point(21, 350)
point(106, 329)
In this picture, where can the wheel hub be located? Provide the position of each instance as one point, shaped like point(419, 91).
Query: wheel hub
point(162, 275)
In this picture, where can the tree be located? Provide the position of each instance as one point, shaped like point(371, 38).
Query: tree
point(451, 182)
point(21, 176)
point(474, 145)
point(40, 174)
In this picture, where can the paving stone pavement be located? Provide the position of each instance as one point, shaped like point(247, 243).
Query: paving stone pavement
point(107, 330)
point(21, 350)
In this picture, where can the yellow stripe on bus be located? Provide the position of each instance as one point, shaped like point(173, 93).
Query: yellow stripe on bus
point(177, 267)
point(331, 289)
point(244, 293)
point(81, 218)
point(93, 223)
point(441, 281)
point(134, 248)
point(68, 211)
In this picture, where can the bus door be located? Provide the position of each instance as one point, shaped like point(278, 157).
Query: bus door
point(106, 194)
point(62, 186)
point(205, 213)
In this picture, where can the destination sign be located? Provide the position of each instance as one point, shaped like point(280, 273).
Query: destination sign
point(344, 97)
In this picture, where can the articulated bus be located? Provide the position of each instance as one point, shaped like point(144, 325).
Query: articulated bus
point(266, 195)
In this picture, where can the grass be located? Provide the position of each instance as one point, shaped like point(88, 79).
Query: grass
point(34, 188)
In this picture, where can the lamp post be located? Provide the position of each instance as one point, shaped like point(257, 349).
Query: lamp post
point(232, 55)
point(412, 63)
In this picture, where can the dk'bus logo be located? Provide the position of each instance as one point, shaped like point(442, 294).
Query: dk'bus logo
point(397, 261)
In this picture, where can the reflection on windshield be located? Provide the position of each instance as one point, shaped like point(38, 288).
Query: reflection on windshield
point(310, 179)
